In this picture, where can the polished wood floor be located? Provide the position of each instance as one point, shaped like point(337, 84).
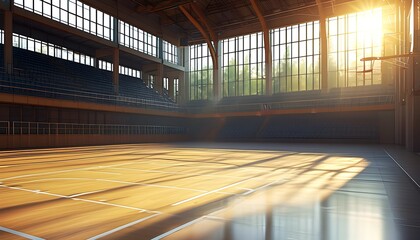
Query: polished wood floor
point(208, 191)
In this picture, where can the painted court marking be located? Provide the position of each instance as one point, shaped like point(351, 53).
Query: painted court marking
point(122, 227)
point(178, 228)
point(80, 199)
point(65, 171)
point(83, 194)
point(178, 173)
point(109, 180)
point(264, 186)
point(21, 234)
point(172, 231)
point(213, 191)
point(412, 179)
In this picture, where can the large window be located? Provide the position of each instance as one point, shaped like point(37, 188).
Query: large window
point(50, 49)
point(73, 13)
point(166, 83)
point(130, 72)
point(170, 52)
point(350, 38)
point(243, 65)
point(34, 45)
point(81, 16)
point(201, 73)
point(296, 57)
point(104, 65)
point(176, 89)
point(137, 39)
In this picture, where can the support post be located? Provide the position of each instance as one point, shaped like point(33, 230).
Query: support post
point(211, 45)
point(183, 93)
point(115, 71)
point(159, 78)
point(171, 89)
point(267, 49)
point(413, 86)
point(8, 42)
point(216, 85)
point(324, 47)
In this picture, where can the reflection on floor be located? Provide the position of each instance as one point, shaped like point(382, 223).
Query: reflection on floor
point(207, 191)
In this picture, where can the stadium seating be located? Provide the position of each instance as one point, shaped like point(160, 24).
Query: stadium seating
point(37, 74)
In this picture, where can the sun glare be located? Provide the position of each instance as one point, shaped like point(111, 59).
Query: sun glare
point(369, 27)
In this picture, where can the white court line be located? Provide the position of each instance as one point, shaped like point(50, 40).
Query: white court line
point(121, 227)
point(178, 173)
point(114, 181)
point(35, 191)
point(110, 173)
point(65, 171)
point(178, 228)
point(80, 199)
point(412, 179)
point(82, 194)
point(152, 185)
point(228, 186)
point(213, 191)
point(21, 234)
point(263, 186)
point(115, 205)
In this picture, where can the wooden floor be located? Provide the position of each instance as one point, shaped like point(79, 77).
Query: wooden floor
point(207, 191)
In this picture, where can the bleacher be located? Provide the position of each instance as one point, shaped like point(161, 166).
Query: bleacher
point(335, 97)
point(37, 74)
point(40, 75)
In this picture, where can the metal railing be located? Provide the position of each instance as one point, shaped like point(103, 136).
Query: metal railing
point(19, 84)
point(356, 101)
point(4, 127)
point(45, 128)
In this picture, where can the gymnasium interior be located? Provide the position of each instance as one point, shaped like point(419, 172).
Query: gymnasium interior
point(210, 119)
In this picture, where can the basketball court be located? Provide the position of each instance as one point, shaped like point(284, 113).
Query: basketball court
point(205, 191)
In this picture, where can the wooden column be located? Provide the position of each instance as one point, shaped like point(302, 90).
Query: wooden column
point(116, 72)
point(171, 89)
point(324, 47)
point(413, 90)
point(267, 49)
point(183, 93)
point(159, 78)
point(212, 43)
point(8, 42)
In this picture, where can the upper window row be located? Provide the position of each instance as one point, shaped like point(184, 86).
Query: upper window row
point(81, 16)
point(170, 52)
point(137, 39)
point(73, 13)
point(35, 45)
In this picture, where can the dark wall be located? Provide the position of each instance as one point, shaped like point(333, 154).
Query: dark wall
point(27, 113)
point(366, 126)
point(372, 127)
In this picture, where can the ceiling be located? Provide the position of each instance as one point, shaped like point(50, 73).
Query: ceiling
point(227, 18)
point(222, 18)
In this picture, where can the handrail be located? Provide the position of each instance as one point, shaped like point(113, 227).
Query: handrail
point(4, 127)
point(312, 103)
point(98, 96)
point(78, 93)
point(48, 128)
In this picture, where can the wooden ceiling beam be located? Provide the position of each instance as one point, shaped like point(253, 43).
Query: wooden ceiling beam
point(267, 45)
point(196, 24)
point(324, 45)
point(165, 5)
point(204, 20)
